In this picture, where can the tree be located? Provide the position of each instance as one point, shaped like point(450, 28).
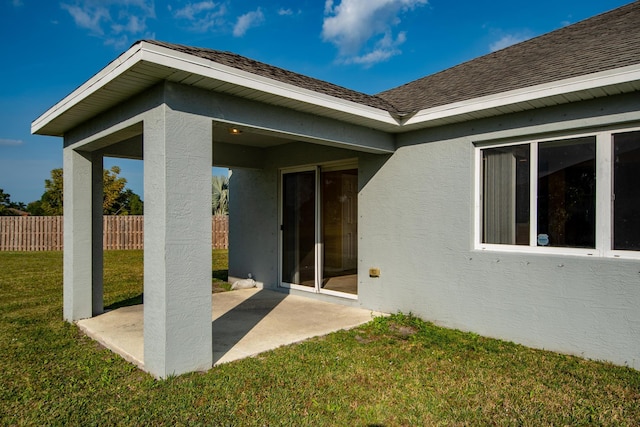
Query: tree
point(129, 203)
point(7, 207)
point(35, 208)
point(113, 186)
point(219, 195)
point(53, 194)
point(115, 201)
point(5, 201)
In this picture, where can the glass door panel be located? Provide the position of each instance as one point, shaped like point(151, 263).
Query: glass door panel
point(299, 228)
point(339, 210)
point(320, 230)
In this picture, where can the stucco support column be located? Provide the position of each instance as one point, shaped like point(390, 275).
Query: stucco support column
point(177, 242)
point(82, 291)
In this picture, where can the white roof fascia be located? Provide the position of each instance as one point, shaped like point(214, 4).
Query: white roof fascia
point(164, 56)
point(575, 84)
point(152, 53)
point(211, 69)
point(106, 75)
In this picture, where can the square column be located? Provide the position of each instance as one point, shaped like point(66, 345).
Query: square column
point(177, 242)
point(82, 291)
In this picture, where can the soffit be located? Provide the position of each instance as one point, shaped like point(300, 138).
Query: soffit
point(145, 65)
point(596, 85)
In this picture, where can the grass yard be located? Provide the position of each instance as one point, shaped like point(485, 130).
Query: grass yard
point(392, 371)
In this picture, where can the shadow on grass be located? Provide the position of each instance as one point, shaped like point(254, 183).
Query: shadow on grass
point(126, 303)
point(220, 275)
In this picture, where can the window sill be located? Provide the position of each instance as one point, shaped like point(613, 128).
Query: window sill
point(557, 251)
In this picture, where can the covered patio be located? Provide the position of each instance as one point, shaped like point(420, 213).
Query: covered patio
point(183, 111)
point(245, 322)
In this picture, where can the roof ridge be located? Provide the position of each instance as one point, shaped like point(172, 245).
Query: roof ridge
point(280, 74)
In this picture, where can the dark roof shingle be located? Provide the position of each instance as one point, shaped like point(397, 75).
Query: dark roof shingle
point(280, 74)
point(606, 41)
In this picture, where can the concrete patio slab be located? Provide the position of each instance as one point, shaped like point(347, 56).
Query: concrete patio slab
point(245, 323)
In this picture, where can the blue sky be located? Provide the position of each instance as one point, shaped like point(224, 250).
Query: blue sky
point(51, 47)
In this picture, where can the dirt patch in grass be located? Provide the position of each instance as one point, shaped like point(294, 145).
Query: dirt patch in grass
point(403, 331)
point(218, 286)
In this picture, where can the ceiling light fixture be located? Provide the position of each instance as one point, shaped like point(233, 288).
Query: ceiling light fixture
point(235, 131)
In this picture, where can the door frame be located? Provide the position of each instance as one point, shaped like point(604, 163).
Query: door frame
point(319, 244)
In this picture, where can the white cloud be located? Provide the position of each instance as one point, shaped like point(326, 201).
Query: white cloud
point(372, 57)
point(328, 7)
point(508, 40)
point(285, 12)
point(113, 20)
point(134, 25)
point(202, 16)
point(357, 25)
point(89, 18)
point(117, 42)
point(6, 141)
point(384, 49)
point(246, 21)
point(192, 9)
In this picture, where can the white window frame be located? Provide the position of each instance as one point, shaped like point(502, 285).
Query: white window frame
point(604, 198)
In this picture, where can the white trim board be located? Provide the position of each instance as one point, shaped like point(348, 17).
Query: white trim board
point(167, 58)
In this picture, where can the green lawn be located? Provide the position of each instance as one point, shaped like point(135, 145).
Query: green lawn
point(392, 371)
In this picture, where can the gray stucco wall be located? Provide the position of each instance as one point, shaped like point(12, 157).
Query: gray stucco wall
point(416, 220)
point(417, 226)
point(254, 208)
point(253, 225)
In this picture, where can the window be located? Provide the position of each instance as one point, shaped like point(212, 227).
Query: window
point(626, 193)
point(567, 193)
point(548, 194)
point(506, 195)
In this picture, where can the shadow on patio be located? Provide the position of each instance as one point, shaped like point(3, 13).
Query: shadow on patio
point(245, 323)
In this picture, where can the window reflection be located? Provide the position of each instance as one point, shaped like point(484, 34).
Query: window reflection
point(567, 192)
point(626, 204)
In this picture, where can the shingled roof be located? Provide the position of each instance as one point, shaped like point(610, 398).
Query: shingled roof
point(606, 41)
point(592, 58)
point(280, 74)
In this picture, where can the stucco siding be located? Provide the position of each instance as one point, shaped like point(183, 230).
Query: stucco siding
point(416, 225)
point(253, 225)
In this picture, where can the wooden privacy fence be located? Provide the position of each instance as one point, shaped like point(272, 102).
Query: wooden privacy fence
point(45, 233)
point(31, 233)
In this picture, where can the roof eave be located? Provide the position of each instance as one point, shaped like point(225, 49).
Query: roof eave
point(104, 76)
point(48, 123)
point(521, 99)
point(54, 123)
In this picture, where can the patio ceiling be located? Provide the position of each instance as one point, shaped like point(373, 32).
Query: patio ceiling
point(223, 132)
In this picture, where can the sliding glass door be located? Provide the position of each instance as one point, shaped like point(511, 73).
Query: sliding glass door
point(299, 228)
point(320, 230)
